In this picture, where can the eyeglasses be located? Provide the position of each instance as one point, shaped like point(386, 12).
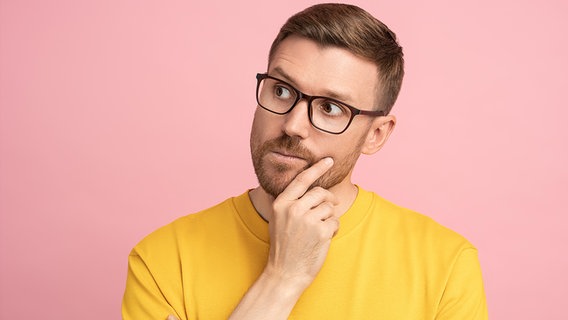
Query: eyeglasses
point(326, 114)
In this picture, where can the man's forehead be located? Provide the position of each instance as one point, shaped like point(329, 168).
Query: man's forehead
point(338, 93)
point(328, 71)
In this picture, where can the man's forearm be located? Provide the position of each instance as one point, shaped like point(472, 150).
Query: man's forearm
point(270, 297)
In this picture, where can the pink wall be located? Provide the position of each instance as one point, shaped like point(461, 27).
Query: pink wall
point(118, 116)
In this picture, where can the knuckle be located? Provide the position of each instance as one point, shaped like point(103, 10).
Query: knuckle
point(319, 190)
point(318, 193)
point(277, 205)
point(326, 209)
point(333, 224)
point(327, 206)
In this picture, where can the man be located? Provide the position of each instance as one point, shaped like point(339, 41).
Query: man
point(308, 243)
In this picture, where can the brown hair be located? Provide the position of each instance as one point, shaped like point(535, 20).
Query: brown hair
point(350, 27)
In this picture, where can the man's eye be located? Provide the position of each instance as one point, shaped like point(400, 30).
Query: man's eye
point(331, 109)
point(282, 92)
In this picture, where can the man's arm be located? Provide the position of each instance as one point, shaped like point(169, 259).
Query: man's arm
point(301, 229)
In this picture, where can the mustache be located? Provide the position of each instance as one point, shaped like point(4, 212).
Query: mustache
point(291, 146)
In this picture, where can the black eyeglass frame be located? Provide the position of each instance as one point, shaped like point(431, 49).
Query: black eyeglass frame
point(300, 95)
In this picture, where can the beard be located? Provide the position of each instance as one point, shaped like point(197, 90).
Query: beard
point(274, 177)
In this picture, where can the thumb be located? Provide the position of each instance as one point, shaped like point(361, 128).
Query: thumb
point(172, 317)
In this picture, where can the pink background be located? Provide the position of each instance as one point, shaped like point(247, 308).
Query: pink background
point(119, 116)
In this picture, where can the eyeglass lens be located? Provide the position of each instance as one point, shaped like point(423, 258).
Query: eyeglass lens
point(325, 113)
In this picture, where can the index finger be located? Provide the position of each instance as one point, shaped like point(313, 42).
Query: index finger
point(302, 182)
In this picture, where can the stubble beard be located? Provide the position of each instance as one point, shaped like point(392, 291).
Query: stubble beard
point(283, 174)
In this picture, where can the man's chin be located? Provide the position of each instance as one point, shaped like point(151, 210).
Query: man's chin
point(275, 184)
point(272, 190)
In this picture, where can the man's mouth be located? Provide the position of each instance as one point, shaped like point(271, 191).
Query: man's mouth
point(285, 153)
point(288, 156)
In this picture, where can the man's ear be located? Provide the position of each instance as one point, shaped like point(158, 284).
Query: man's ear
point(378, 134)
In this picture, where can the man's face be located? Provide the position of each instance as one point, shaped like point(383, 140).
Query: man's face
point(284, 145)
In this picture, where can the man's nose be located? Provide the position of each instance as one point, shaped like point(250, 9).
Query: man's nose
point(297, 122)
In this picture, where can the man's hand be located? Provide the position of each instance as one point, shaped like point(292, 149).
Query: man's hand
point(172, 317)
point(301, 228)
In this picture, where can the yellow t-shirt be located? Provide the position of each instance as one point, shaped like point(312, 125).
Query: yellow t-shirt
point(386, 262)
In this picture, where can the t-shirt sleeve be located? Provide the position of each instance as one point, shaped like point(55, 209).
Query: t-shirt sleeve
point(143, 298)
point(464, 296)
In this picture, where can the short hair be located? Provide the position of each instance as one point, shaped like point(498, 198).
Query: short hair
point(352, 28)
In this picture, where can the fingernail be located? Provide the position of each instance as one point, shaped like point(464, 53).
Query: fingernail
point(328, 160)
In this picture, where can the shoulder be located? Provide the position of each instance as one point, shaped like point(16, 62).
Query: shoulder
point(165, 241)
point(415, 228)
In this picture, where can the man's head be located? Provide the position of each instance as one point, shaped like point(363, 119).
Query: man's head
point(352, 28)
point(347, 61)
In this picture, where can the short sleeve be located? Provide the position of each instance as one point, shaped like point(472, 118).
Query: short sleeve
point(143, 298)
point(464, 295)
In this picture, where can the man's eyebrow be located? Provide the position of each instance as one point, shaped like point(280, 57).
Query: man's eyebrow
point(284, 75)
point(343, 97)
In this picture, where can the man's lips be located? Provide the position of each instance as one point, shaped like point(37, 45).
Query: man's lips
point(286, 156)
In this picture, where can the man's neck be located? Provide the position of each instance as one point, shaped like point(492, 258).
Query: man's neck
point(346, 193)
